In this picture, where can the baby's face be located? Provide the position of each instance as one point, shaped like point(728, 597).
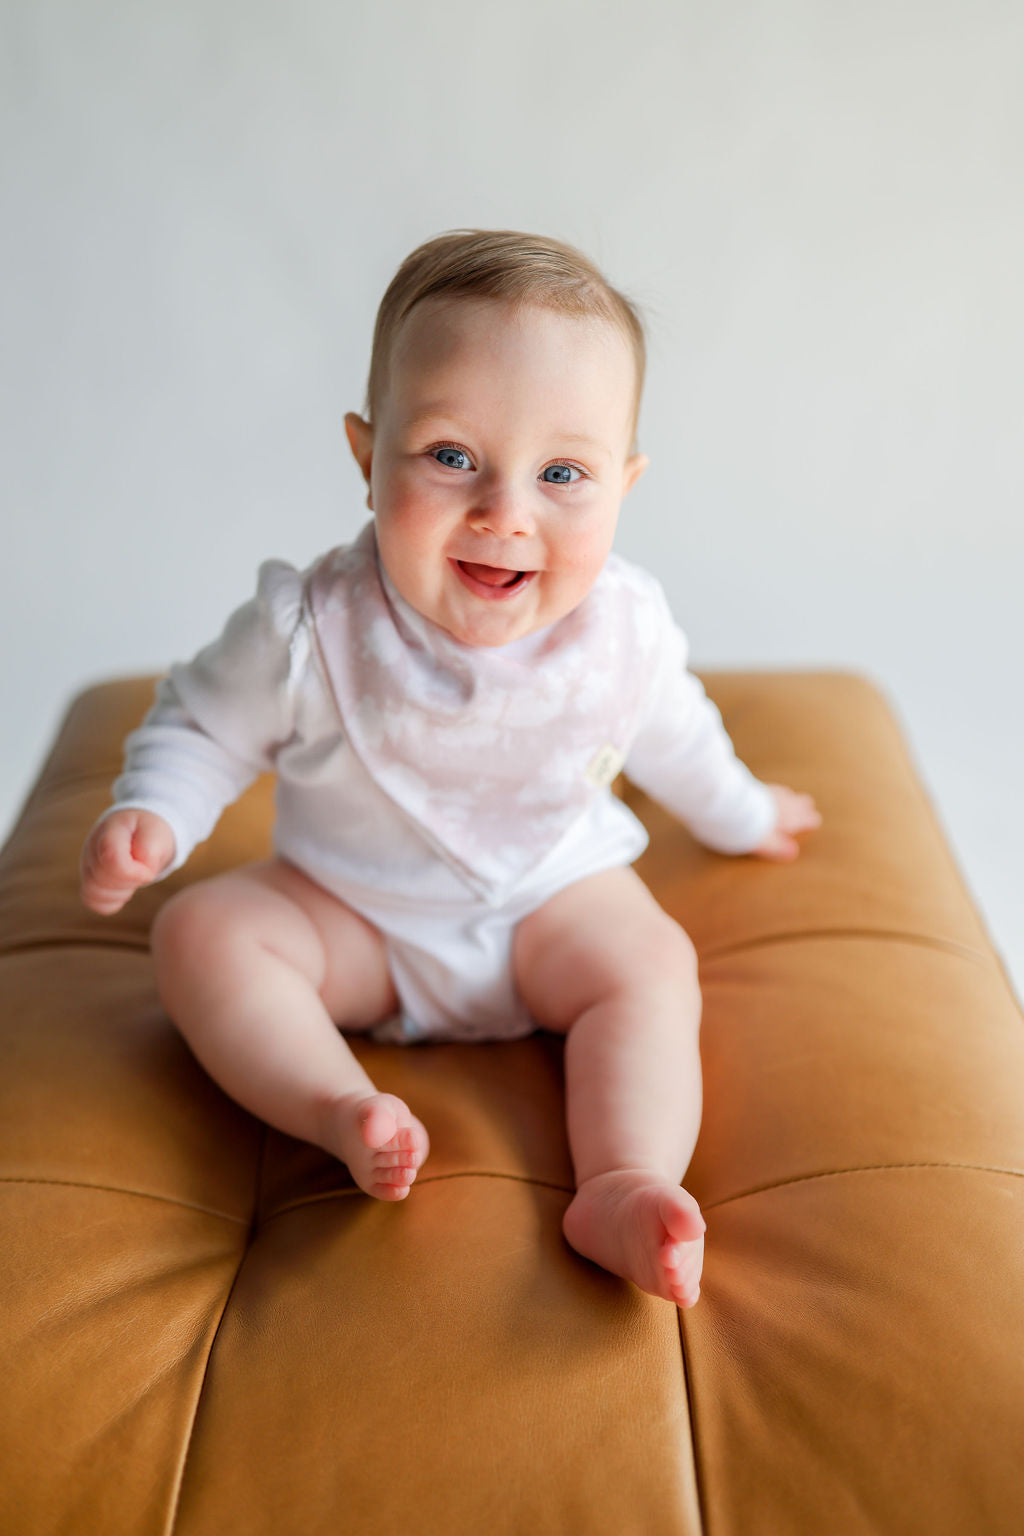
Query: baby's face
point(498, 462)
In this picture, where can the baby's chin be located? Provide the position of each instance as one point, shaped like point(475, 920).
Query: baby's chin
point(488, 635)
point(490, 625)
point(490, 628)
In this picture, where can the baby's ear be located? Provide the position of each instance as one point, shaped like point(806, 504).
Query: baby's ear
point(633, 469)
point(360, 440)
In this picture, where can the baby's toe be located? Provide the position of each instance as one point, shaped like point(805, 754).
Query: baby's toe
point(390, 1159)
point(389, 1191)
point(680, 1215)
point(682, 1264)
point(413, 1141)
point(377, 1123)
point(394, 1175)
point(685, 1293)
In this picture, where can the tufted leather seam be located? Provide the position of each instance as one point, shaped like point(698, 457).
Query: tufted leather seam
point(896, 936)
point(175, 1504)
point(837, 1173)
point(140, 1194)
point(437, 1178)
point(139, 946)
point(927, 941)
point(698, 1481)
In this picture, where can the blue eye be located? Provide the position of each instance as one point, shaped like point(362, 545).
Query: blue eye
point(452, 458)
point(560, 474)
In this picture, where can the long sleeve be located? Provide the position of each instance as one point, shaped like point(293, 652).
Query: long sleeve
point(683, 758)
point(219, 720)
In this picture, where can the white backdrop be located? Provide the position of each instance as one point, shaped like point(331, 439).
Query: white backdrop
point(819, 205)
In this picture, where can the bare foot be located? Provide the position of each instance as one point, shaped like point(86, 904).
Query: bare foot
point(643, 1228)
point(381, 1142)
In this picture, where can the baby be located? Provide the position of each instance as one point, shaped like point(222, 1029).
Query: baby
point(445, 703)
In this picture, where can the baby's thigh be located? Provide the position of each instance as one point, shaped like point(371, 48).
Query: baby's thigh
point(280, 910)
point(604, 936)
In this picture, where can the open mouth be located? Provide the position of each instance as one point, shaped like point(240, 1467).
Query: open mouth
point(492, 580)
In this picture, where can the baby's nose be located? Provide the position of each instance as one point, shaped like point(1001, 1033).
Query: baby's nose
point(503, 512)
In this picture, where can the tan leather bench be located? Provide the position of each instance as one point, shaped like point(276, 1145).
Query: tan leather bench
point(207, 1329)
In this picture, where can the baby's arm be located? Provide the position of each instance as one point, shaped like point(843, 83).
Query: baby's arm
point(216, 724)
point(683, 757)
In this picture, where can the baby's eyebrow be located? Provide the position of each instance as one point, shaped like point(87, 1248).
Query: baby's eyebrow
point(582, 441)
point(441, 412)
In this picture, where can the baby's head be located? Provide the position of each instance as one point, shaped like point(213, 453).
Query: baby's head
point(498, 438)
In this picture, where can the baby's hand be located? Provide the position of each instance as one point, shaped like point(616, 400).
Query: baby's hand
point(123, 852)
point(796, 813)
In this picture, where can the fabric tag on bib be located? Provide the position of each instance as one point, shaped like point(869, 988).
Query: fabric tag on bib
point(604, 767)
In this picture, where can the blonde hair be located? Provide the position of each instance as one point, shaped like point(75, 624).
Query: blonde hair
point(515, 268)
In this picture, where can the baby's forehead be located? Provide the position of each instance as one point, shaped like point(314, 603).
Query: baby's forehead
point(487, 335)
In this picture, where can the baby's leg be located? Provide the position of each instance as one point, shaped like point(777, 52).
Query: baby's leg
point(259, 969)
point(602, 963)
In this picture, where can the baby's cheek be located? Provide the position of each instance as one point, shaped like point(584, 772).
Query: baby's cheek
point(417, 520)
point(586, 553)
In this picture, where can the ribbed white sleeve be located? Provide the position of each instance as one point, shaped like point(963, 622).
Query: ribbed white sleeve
point(219, 720)
point(683, 757)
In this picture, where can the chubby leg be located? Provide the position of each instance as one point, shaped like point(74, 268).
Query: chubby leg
point(259, 969)
point(602, 963)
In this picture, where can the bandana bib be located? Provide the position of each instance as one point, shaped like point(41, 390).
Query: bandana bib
point(493, 752)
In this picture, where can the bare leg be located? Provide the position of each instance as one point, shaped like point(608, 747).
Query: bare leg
point(258, 969)
point(604, 964)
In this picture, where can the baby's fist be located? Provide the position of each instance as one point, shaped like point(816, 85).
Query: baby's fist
point(124, 851)
point(795, 813)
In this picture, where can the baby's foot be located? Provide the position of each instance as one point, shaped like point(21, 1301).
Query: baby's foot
point(381, 1142)
point(643, 1228)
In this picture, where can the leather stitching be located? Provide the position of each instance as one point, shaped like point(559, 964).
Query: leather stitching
point(140, 1194)
point(837, 1173)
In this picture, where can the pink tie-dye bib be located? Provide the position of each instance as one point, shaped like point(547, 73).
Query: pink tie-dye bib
point(493, 752)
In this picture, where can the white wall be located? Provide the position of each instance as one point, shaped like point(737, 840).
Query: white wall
point(819, 204)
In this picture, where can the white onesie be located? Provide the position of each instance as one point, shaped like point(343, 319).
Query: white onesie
point(442, 790)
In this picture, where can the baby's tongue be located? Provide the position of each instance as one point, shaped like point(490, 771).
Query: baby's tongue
point(493, 575)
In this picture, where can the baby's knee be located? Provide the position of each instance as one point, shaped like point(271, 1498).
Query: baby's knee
point(191, 926)
point(230, 927)
point(653, 967)
point(672, 959)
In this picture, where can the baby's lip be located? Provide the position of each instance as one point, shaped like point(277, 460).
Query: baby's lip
point(492, 581)
point(493, 575)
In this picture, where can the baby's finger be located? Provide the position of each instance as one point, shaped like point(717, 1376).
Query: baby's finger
point(802, 815)
point(108, 853)
point(797, 812)
point(778, 847)
point(109, 874)
point(104, 901)
point(103, 892)
point(152, 845)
